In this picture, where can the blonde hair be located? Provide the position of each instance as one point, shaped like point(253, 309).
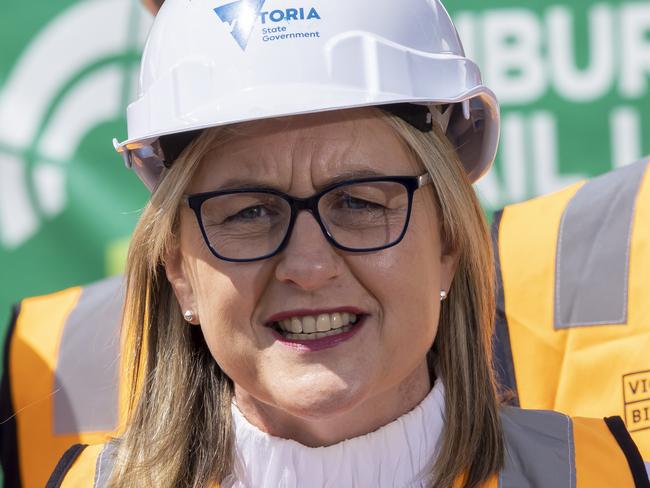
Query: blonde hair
point(180, 432)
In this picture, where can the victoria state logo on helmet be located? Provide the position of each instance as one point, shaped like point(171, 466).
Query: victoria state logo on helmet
point(241, 17)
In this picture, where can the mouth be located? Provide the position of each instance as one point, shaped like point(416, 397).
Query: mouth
point(313, 327)
point(315, 330)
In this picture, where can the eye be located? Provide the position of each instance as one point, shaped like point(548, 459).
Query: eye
point(251, 213)
point(348, 201)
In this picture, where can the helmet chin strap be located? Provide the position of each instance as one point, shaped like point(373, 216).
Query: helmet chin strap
point(419, 116)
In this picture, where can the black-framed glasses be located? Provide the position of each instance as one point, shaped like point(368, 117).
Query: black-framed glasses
point(360, 215)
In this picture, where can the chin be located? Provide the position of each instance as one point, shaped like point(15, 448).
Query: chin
point(322, 401)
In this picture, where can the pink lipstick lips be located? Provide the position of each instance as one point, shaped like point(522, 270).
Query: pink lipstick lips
point(315, 330)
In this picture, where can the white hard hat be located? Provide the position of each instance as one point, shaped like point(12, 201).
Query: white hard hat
point(209, 63)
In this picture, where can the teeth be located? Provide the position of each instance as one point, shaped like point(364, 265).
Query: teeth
point(323, 323)
point(336, 321)
point(296, 325)
point(308, 324)
point(317, 335)
point(315, 325)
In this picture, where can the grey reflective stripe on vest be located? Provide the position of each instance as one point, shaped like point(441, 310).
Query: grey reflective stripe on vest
point(591, 268)
point(104, 465)
point(86, 375)
point(539, 449)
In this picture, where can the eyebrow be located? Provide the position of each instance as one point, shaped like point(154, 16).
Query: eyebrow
point(243, 183)
point(350, 175)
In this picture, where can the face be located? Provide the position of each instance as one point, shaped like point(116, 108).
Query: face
point(379, 370)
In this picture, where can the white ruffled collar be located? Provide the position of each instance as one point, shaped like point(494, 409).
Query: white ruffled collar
point(398, 455)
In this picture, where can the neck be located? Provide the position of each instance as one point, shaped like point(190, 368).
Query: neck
point(362, 417)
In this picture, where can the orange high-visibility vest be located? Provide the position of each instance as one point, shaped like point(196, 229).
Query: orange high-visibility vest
point(543, 449)
point(60, 382)
point(573, 312)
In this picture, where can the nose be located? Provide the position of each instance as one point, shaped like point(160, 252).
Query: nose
point(308, 261)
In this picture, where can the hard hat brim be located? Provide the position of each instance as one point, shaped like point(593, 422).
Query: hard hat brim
point(475, 138)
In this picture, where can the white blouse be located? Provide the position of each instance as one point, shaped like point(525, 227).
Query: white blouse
point(397, 455)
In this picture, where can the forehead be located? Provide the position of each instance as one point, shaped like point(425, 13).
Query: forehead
point(315, 148)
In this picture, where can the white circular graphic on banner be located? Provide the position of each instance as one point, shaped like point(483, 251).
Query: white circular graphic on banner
point(66, 82)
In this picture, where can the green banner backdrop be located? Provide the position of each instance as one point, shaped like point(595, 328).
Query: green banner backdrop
point(67, 204)
point(572, 77)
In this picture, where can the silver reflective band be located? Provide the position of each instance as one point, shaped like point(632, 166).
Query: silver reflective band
point(86, 374)
point(104, 464)
point(592, 260)
point(543, 436)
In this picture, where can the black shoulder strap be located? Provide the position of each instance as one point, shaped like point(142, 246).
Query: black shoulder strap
point(8, 435)
point(502, 352)
point(62, 467)
point(634, 460)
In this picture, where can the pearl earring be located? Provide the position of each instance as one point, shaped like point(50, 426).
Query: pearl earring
point(188, 315)
point(443, 295)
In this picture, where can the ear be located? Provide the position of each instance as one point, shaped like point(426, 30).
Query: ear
point(179, 277)
point(448, 266)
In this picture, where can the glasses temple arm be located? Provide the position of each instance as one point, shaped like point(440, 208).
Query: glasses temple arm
point(424, 180)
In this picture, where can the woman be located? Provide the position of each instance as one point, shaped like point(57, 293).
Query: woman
point(309, 291)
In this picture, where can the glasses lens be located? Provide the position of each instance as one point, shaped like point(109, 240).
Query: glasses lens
point(365, 215)
point(245, 225)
